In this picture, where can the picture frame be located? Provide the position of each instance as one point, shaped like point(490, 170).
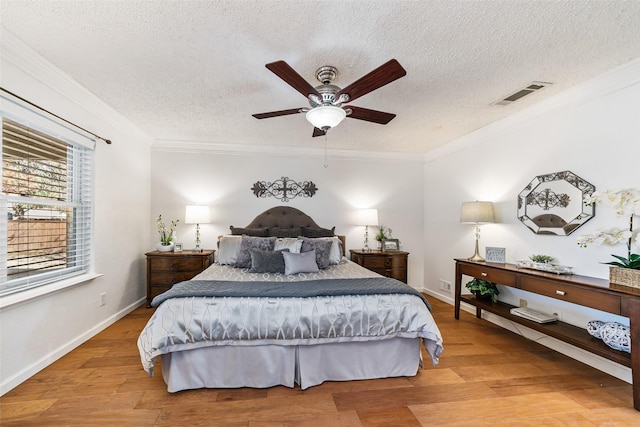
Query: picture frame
point(495, 254)
point(390, 244)
point(177, 247)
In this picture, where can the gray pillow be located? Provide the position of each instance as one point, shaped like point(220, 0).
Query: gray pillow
point(318, 232)
point(267, 261)
point(322, 248)
point(300, 263)
point(255, 232)
point(249, 242)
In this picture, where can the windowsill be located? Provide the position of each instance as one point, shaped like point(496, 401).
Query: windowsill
point(31, 294)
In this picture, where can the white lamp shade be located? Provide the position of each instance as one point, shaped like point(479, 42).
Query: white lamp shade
point(326, 116)
point(368, 217)
point(196, 215)
point(477, 212)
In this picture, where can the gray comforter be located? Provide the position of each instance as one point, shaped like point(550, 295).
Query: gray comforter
point(200, 313)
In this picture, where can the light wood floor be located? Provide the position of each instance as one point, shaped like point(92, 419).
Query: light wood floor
point(487, 376)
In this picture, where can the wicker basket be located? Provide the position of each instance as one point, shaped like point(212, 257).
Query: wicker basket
point(624, 276)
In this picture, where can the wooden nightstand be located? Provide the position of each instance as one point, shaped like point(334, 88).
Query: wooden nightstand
point(165, 269)
point(387, 263)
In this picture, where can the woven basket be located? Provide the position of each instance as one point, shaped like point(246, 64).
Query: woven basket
point(624, 276)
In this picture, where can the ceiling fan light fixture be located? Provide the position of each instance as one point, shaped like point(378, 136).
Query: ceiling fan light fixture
point(326, 116)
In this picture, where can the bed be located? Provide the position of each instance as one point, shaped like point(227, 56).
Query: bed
point(248, 323)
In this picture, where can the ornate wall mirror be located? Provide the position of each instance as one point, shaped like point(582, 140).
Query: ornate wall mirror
point(554, 203)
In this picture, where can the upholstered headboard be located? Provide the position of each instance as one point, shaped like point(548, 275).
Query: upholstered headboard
point(282, 217)
point(286, 217)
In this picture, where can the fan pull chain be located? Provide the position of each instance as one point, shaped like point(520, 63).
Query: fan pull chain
point(326, 163)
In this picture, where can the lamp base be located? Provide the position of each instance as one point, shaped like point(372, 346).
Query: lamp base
point(476, 256)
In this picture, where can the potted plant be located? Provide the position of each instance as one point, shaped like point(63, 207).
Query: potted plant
point(166, 236)
point(483, 289)
point(626, 270)
point(381, 235)
point(543, 259)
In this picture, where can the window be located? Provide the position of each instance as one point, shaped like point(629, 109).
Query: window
point(46, 200)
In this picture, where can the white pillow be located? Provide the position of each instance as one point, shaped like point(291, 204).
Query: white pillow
point(300, 263)
point(228, 249)
point(292, 243)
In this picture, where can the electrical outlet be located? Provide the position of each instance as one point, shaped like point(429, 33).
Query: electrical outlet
point(103, 299)
point(523, 302)
point(445, 285)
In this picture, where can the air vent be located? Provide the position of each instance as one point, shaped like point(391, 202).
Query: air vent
point(533, 87)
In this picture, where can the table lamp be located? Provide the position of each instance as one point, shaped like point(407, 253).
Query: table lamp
point(197, 215)
point(477, 213)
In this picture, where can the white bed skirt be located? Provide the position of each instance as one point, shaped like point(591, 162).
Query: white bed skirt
point(306, 365)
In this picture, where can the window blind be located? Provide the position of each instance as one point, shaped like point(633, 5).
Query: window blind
point(46, 203)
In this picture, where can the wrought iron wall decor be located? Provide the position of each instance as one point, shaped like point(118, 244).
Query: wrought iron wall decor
point(284, 189)
point(554, 203)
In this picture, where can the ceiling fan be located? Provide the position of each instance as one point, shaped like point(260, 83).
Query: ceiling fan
point(326, 100)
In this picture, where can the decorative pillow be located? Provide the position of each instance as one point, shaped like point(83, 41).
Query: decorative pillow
point(255, 232)
point(267, 261)
point(322, 248)
point(335, 253)
point(594, 327)
point(300, 263)
point(285, 232)
point(616, 336)
point(249, 242)
point(318, 232)
point(293, 244)
point(228, 249)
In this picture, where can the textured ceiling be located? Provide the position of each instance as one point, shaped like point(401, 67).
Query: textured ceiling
point(194, 70)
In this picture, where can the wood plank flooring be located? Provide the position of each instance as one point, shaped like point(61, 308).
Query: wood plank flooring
point(486, 376)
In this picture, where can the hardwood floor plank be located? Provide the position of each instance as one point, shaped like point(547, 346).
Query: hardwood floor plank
point(498, 409)
point(400, 416)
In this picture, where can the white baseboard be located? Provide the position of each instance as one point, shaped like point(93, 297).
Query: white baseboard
point(605, 365)
point(20, 377)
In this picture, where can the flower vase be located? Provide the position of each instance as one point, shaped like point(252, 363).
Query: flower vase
point(164, 247)
point(624, 276)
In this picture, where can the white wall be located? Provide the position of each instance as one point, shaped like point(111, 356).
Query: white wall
point(591, 130)
point(36, 332)
point(223, 181)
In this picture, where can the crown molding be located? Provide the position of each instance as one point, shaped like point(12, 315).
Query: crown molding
point(26, 60)
point(180, 146)
point(612, 81)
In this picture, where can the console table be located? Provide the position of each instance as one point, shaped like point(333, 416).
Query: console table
point(581, 290)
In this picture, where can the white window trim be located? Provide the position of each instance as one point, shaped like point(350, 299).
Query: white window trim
point(41, 291)
point(16, 109)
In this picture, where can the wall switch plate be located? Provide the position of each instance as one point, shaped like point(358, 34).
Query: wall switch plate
point(103, 299)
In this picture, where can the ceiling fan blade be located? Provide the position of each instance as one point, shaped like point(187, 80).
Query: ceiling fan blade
point(384, 74)
point(289, 75)
point(370, 115)
point(318, 132)
point(277, 113)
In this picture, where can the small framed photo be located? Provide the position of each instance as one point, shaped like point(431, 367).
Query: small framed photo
point(497, 255)
point(390, 245)
point(177, 247)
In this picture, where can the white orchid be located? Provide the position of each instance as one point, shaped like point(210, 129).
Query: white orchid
point(625, 203)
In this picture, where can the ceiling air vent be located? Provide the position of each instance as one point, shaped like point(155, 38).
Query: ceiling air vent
point(533, 87)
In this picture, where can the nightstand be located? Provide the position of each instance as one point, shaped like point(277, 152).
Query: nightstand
point(386, 263)
point(165, 269)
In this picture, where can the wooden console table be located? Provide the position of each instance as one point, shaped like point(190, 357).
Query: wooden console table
point(582, 290)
